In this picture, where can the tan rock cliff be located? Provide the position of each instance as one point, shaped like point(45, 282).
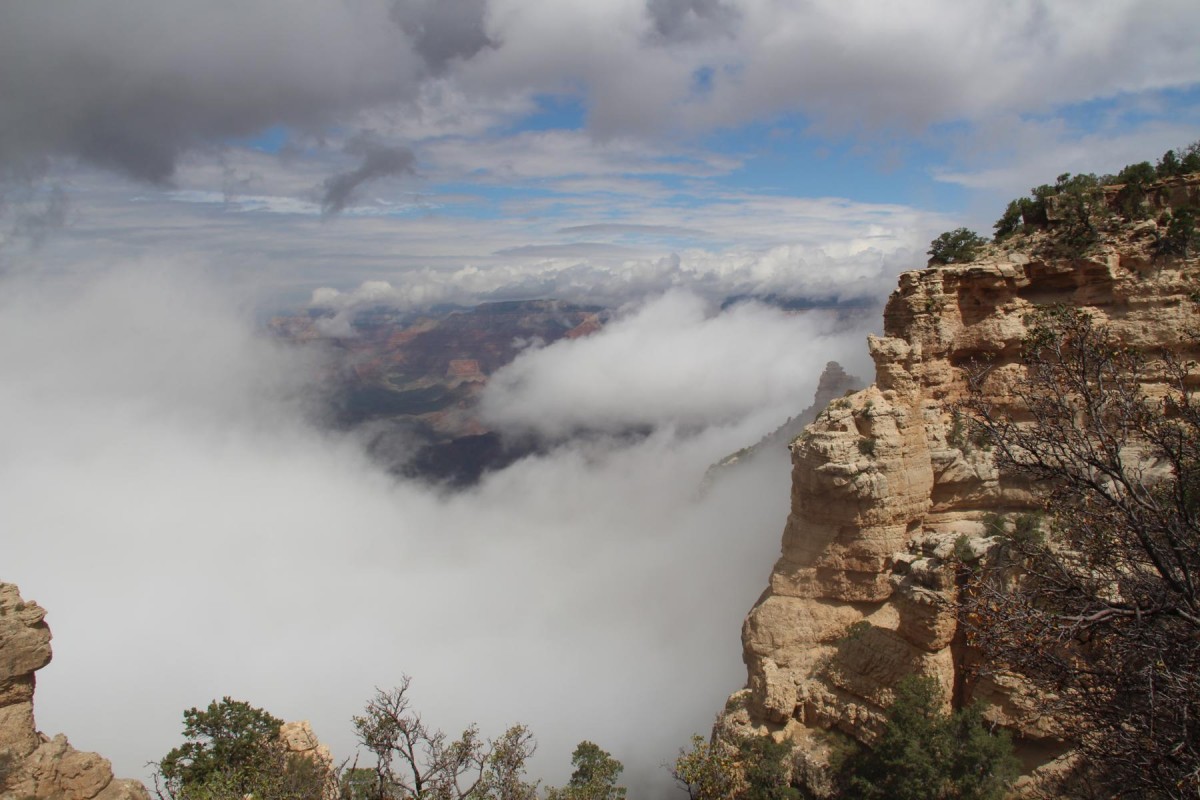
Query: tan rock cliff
point(883, 485)
point(36, 765)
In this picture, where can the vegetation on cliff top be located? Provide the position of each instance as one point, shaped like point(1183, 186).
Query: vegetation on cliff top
point(1076, 209)
point(234, 751)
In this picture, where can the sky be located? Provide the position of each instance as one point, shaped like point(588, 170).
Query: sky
point(173, 173)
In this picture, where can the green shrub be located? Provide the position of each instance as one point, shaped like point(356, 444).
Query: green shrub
point(1179, 162)
point(958, 246)
point(962, 549)
point(925, 753)
point(866, 446)
point(856, 630)
point(1181, 239)
point(736, 767)
point(595, 776)
point(1027, 530)
point(1129, 200)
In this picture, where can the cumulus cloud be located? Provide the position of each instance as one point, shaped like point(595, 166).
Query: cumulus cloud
point(841, 65)
point(691, 19)
point(165, 496)
point(672, 362)
point(443, 32)
point(133, 84)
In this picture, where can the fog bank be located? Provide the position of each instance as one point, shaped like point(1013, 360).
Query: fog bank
point(193, 534)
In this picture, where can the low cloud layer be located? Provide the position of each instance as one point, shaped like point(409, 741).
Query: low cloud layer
point(792, 271)
point(672, 363)
point(192, 536)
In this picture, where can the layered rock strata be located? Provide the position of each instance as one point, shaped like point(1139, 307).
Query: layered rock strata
point(884, 487)
point(33, 764)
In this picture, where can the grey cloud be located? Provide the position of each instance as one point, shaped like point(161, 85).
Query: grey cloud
point(685, 20)
point(574, 250)
point(131, 85)
point(378, 161)
point(626, 228)
point(443, 31)
point(37, 223)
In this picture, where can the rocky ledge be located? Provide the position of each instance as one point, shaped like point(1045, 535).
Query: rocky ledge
point(884, 486)
point(33, 765)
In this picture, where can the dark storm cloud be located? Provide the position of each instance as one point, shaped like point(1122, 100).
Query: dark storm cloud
point(676, 20)
point(378, 161)
point(130, 85)
point(443, 31)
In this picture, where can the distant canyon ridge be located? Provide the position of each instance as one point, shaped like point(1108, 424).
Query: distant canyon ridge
point(410, 382)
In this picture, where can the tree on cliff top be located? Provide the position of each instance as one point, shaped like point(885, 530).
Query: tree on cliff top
point(958, 246)
point(595, 776)
point(232, 750)
point(1103, 611)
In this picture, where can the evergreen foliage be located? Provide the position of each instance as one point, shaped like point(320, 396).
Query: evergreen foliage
point(232, 750)
point(926, 754)
point(1073, 205)
point(958, 246)
point(595, 776)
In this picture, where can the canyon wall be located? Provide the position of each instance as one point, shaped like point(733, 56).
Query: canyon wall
point(885, 485)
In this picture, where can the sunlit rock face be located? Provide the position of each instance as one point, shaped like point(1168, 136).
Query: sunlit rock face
point(39, 766)
point(884, 485)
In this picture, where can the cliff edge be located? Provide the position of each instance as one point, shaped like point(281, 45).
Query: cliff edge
point(33, 765)
point(885, 483)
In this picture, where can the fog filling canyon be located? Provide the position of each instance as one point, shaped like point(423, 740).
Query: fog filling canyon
point(171, 498)
point(173, 174)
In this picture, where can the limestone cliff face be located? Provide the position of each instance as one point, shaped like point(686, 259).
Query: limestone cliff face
point(36, 765)
point(883, 485)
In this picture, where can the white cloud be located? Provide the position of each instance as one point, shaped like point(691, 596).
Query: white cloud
point(672, 362)
point(843, 65)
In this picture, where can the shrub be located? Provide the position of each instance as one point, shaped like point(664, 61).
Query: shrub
point(925, 754)
point(1181, 238)
point(1179, 162)
point(232, 750)
point(595, 776)
point(1135, 178)
point(958, 246)
point(866, 446)
point(746, 768)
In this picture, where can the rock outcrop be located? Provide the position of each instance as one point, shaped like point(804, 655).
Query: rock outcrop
point(834, 382)
point(34, 765)
point(885, 486)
